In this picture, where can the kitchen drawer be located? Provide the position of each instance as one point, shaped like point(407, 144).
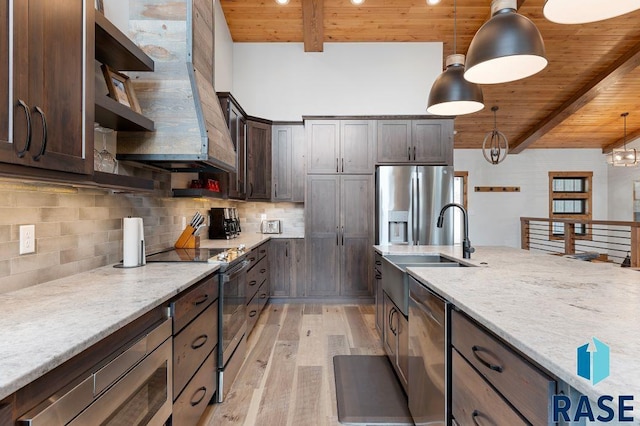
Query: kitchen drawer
point(263, 250)
point(188, 306)
point(263, 295)
point(256, 276)
point(475, 402)
point(527, 388)
point(192, 345)
point(254, 309)
point(190, 405)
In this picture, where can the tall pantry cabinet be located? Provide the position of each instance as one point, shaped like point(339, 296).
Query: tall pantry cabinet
point(339, 207)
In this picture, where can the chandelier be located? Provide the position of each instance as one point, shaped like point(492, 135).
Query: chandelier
point(495, 146)
point(623, 157)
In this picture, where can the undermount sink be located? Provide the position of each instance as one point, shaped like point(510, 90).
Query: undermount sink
point(394, 273)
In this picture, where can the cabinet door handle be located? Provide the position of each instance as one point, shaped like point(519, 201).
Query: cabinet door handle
point(343, 165)
point(44, 134)
point(493, 367)
point(201, 299)
point(337, 165)
point(337, 236)
point(414, 153)
point(474, 417)
point(253, 314)
point(286, 250)
point(27, 114)
point(409, 153)
point(343, 235)
point(202, 390)
point(251, 187)
point(199, 341)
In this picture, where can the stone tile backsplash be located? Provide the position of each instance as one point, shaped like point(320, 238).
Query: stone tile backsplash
point(78, 229)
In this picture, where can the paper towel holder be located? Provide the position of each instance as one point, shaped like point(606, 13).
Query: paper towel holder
point(132, 234)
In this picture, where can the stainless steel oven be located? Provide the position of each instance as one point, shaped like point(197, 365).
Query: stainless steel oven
point(132, 389)
point(231, 323)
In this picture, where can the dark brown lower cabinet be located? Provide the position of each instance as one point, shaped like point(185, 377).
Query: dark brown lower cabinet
point(396, 339)
point(287, 267)
point(193, 400)
point(377, 288)
point(257, 287)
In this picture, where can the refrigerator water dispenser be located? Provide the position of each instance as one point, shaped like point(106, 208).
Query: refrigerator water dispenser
point(398, 226)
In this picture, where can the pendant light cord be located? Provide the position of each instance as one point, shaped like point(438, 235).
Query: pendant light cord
point(455, 25)
point(624, 140)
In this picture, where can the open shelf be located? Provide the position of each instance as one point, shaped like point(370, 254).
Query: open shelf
point(197, 193)
point(117, 50)
point(114, 115)
point(128, 183)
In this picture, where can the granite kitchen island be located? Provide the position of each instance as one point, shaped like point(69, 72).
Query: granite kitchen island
point(545, 307)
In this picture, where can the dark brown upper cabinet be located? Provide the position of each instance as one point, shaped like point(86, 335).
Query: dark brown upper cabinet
point(258, 160)
point(237, 122)
point(288, 167)
point(4, 75)
point(51, 115)
point(428, 141)
point(340, 146)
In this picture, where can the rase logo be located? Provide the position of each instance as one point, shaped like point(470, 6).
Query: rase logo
point(593, 364)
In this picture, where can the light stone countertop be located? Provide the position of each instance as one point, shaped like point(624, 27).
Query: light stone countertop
point(45, 325)
point(250, 240)
point(546, 306)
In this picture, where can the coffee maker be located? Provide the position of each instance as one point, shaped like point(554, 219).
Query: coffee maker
point(224, 223)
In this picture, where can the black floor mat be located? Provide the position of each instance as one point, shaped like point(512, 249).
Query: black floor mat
point(368, 391)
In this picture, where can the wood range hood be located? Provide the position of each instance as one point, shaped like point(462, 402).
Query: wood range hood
point(191, 133)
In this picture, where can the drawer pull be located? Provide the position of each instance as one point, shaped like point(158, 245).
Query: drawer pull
point(201, 299)
point(493, 367)
point(199, 341)
point(253, 314)
point(201, 390)
point(474, 417)
point(378, 263)
point(263, 251)
point(252, 283)
point(252, 259)
point(262, 271)
point(263, 296)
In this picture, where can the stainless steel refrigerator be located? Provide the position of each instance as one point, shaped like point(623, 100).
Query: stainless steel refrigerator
point(408, 202)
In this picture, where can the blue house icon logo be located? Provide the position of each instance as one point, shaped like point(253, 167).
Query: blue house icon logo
point(593, 361)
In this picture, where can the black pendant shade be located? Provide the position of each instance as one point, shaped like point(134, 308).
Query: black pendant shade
point(507, 47)
point(451, 94)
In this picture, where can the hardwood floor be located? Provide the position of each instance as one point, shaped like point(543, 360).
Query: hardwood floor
point(287, 377)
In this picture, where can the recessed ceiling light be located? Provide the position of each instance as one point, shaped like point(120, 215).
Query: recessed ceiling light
point(432, 2)
point(357, 2)
point(283, 2)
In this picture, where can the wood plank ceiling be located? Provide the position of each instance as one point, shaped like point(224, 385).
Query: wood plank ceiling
point(593, 74)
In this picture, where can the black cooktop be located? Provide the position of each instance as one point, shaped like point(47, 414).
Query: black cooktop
point(184, 255)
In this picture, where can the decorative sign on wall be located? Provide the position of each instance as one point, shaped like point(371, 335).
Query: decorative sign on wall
point(497, 189)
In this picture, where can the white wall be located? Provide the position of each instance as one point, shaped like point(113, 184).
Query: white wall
point(223, 51)
point(280, 81)
point(494, 218)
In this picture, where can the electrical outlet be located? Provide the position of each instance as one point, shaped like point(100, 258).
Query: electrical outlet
point(27, 239)
point(263, 216)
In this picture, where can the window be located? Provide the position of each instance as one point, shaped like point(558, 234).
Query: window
point(460, 197)
point(570, 198)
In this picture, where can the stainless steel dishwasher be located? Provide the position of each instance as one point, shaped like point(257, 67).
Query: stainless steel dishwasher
point(429, 357)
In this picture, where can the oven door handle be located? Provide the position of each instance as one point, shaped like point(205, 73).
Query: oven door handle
point(232, 273)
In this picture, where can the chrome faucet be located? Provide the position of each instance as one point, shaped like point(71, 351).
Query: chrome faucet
point(466, 244)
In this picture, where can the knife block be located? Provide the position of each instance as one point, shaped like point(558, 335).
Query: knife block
point(187, 239)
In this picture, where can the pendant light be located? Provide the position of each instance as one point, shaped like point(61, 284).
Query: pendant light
point(450, 93)
point(497, 148)
point(584, 11)
point(623, 157)
point(507, 47)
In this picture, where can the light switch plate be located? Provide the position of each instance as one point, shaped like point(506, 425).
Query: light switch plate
point(263, 216)
point(27, 239)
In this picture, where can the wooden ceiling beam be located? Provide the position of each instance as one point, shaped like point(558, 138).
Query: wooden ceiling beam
point(313, 25)
point(625, 64)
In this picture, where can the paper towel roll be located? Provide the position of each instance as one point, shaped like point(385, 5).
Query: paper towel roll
point(132, 242)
